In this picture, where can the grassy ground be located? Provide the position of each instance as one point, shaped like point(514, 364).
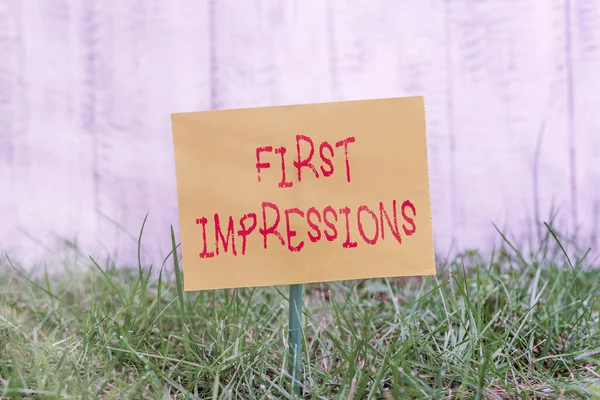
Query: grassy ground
point(506, 327)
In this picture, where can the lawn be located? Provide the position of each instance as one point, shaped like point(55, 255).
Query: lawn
point(511, 325)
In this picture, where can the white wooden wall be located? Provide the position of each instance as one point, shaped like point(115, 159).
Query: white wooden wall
point(87, 87)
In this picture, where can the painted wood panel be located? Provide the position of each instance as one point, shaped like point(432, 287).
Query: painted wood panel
point(86, 88)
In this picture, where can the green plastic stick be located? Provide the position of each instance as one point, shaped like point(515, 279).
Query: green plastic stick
point(295, 336)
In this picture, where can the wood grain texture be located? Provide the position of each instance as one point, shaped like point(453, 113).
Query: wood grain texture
point(86, 90)
point(507, 104)
point(13, 108)
point(586, 53)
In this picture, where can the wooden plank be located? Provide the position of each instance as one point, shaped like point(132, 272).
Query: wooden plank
point(585, 18)
point(508, 84)
point(269, 53)
point(12, 112)
point(46, 187)
point(243, 54)
point(302, 69)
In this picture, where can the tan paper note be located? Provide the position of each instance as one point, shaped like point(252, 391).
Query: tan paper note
point(303, 193)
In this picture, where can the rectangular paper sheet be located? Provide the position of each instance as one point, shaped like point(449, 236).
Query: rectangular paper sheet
point(303, 193)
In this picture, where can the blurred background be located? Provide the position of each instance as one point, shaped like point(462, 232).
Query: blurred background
point(512, 91)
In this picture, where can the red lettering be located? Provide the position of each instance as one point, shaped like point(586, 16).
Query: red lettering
point(306, 162)
point(344, 143)
point(408, 219)
point(283, 183)
point(314, 227)
point(219, 234)
point(393, 228)
point(326, 145)
point(360, 225)
point(245, 231)
point(291, 233)
point(347, 244)
point(204, 254)
point(272, 230)
point(260, 165)
point(330, 210)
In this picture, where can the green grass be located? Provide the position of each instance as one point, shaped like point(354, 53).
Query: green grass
point(512, 326)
